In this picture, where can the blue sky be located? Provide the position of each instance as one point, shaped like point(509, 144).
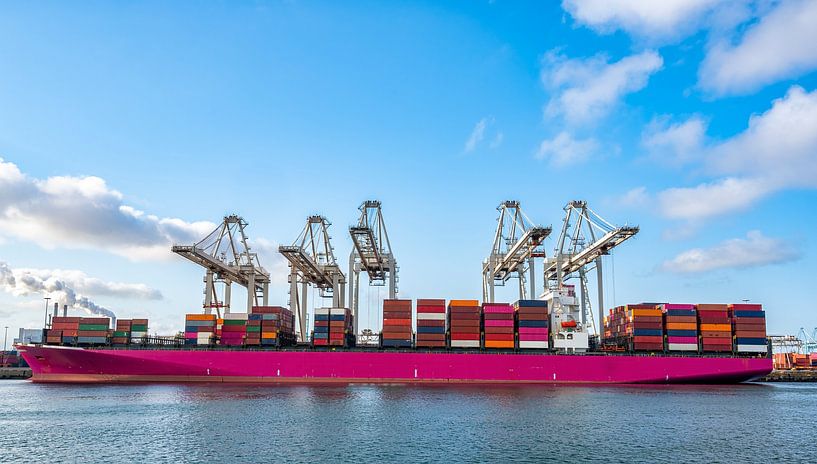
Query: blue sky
point(695, 120)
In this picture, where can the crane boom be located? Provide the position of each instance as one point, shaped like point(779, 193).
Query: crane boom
point(312, 262)
point(226, 256)
point(517, 241)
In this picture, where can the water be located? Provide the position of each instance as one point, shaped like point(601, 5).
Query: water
point(375, 423)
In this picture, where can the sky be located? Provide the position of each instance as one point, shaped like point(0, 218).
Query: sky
point(126, 127)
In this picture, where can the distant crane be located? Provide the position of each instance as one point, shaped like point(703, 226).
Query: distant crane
point(809, 341)
point(786, 343)
point(517, 242)
point(584, 239)
point(371, 254)
point(312, 262)
point(227, 258)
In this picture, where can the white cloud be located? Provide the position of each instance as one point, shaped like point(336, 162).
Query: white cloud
point(644, 18)
point(70, 287)
point(712, 199)
point(564, 150)
point(584, 90)
point(778, 151)
point(755, 250)
point(779, 46)
point(636, 197)
point(83, 212)
point(780, 144)
point(677, 143)
point(476, 135)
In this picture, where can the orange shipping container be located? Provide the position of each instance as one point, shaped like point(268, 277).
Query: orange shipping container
point(682, 326)
point(720, 327)
point(646, 312)
point(463, 303)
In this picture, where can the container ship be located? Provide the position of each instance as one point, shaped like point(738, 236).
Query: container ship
point(551, 339)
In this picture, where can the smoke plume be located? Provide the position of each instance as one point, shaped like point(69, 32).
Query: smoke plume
point(24, 282)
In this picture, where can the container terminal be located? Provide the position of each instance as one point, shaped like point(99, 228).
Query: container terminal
point(548, 335)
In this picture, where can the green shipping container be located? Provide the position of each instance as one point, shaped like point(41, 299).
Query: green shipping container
point(255, 328)
point(93, 327)
point(234, 322)
point(139, 328)
point(121, 333)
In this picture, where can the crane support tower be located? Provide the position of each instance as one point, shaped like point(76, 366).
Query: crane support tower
point(227, 258)
point(371, 254)
point(517, 242)
point(312, 262)
point(584, 239)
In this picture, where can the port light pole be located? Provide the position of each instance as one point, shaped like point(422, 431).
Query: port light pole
point(45, 323)
point(5, 339)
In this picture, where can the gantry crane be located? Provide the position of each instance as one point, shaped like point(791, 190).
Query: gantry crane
point(517, 242)
point(584, 239)
point(809, 341)
point(227, 258)
point(312, 261)
point(371, 254)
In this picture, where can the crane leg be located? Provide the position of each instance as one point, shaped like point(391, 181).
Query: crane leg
point(304, 324)
point(228, 291)
point(601, 296)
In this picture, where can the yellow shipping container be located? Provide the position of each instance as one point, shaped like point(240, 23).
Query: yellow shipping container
point(200, 317)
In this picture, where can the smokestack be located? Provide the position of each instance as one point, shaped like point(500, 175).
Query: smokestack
point(65, 310)
point(56, 309)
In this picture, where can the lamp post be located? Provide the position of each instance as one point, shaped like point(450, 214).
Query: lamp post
point(5, 339)
point(45, 323)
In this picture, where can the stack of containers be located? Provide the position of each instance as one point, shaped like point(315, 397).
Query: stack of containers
point(277, 325)
point(139, 329)
point(396, 324)
point(320, 335)
point(53, 336)
point(340, 325)
point(681, 321)
point(253, 329)
point(66, 328)
point(199, 329)
point(464, 321)
point(93, 330)
point(430, 324)
point(532, 320)
point(121, 334)
point(715, 324)
point(638, 327)
point(234, 329)
point(498, 325)
point(749, 324)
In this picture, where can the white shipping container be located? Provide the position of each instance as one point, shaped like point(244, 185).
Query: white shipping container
point(682, 346)
point(431, 316)
point(338, 311)
point(236, 316)
point(752, 348)
point(322, 311)
point(533, 344)
point(465, 343)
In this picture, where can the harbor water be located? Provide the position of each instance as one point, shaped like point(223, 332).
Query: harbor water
point(383, 423)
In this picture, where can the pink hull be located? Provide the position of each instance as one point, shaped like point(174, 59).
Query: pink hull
point(62, 364)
